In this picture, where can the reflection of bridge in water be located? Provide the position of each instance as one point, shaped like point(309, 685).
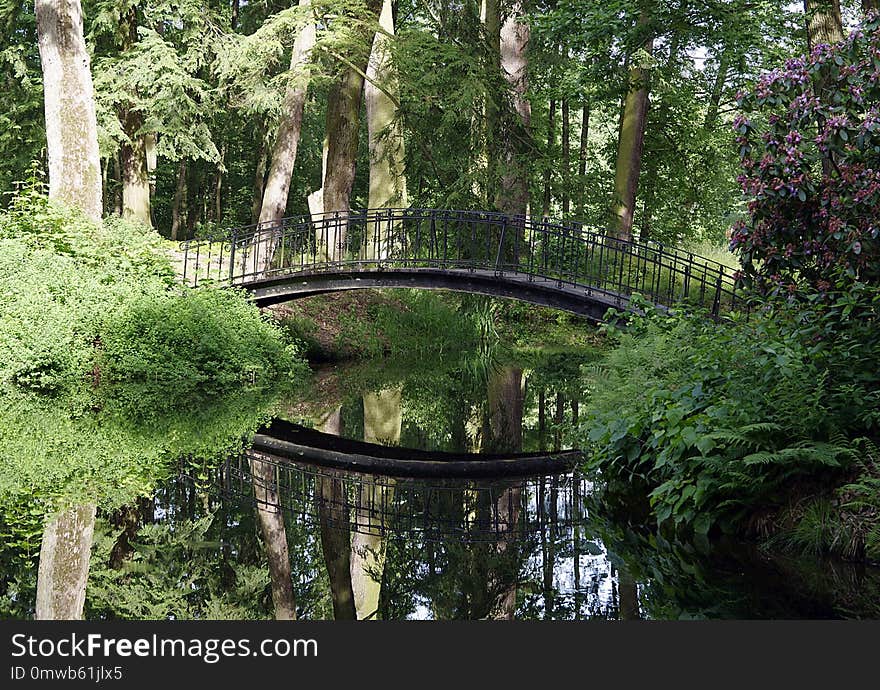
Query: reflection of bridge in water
point(434, 509)
point(566, 265)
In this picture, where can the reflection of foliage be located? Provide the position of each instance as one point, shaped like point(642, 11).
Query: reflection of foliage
point(682, 579)
point(113, 447)
point(59, 450)
point(173, 573)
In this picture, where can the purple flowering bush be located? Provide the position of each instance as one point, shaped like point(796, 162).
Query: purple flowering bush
point(809, 142)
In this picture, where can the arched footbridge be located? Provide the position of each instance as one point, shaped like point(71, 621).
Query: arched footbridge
point(564, 265)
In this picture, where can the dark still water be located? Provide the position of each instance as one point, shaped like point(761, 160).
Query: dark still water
point(380, 494)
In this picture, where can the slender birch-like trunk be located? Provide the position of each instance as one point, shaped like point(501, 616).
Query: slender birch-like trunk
point(71, 124)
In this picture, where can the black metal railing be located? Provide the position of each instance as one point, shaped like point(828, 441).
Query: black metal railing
point(565, 254)
point(468, 510)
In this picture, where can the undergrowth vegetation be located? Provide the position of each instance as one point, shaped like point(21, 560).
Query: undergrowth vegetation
point(727, 424)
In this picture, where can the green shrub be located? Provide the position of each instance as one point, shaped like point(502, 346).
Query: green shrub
point(723, 420)
point(204, 336)
point(82, 303)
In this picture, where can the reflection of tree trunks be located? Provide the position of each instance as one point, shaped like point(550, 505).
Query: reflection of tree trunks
point(628, 596)
point(333, 511)
point(506, 576)
point(271, 520)
point(505, 411)
point(333, 516)
point(505, 402)
point(558, 419)
point(64, 564)
point(382, 423)
point(542, 420)
point(576, 542)
point(128, 520)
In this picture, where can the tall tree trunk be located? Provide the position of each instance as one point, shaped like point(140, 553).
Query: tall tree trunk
point(286, 145)
point(135, 179)
point(717, 90)
point(548, 171)
point(117, 192)
point(513, 198)
point(630, 143)
point(387, 160)
point(75, 180)
point(179, 203)
point(382, 422)
point(343, 125)
point(71, 124)
point(64, 564)
point(490, 16)
point(218, 185)
point(824, 22)
point(195, 177)
point(583, 155)
point(271, 520)
point(566, 159)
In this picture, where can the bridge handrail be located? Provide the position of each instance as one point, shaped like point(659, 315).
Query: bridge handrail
point(558, 228)
point(537, 248)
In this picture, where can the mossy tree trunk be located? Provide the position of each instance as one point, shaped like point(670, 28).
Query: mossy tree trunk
point(387, 159)
point(64, 564)
point(75, 180)
point(631, 140)
point(71, 124)
point(513, 195)
point(284, 150)
point(342, 129)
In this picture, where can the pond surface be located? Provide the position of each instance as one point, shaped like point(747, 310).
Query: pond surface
point(282, 526)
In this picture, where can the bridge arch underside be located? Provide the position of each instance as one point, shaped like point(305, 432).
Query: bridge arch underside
point(587, 302)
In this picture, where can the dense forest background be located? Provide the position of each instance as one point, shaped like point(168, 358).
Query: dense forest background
point(626, 102)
